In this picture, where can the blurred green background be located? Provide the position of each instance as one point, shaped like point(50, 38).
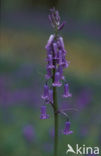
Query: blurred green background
point(24, 32)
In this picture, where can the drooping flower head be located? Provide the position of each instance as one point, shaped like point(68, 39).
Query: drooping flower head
point(66, 91)
point(57, 82)
point(50, 62)
point(56, 64)
point(67, 130)
point(43, 115)
point(51, 95)
point(46, 92)
point(48, 74)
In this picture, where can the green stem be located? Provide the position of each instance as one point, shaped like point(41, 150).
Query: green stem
point(55, 117)
point(55, 107)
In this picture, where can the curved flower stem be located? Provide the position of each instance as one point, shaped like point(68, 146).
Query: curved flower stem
point(55, 118)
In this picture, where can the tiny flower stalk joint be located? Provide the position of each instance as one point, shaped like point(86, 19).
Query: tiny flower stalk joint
point(56, 63)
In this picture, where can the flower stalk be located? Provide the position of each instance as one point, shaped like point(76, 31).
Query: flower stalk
point(55, 115)
point(56, 63)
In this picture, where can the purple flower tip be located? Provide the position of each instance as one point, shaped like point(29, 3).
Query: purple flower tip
point(54, 18)
point(68, 95)
point(43, 113)
point(67, 133)
point(67, 130)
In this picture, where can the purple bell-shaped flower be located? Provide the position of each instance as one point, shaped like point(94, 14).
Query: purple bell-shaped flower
point(46, 92)
point(51, 95)
point(51, 38)
point(54, 50)
point(49, 73)
point(61, 43)
point(59, 57)
point(66, 91)
point(57, 82)
point(67, 130)
point(43, 115)
point(60, 70)
point(64, 63)
point(50, 62)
